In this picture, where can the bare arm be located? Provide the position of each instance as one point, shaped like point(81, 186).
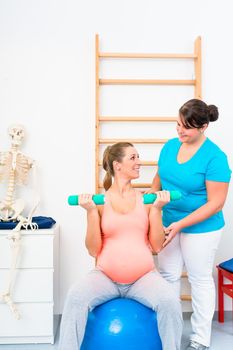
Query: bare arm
point(93, 239)
point(156, 184)
point(216, 196)
point(156, 230)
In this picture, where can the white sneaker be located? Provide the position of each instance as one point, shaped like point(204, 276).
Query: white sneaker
point(194, 345)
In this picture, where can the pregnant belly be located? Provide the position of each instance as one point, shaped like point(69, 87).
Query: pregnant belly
point(126, 264)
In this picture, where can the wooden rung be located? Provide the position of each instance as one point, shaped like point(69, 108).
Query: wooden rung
point(148, 163)
point(110, 141)
point(146, 55)
point(186, 297)
point(135, 185)
point(146, 82)
point(184, 274)
point(142, 185)
point(137, 119)
point(143, 162)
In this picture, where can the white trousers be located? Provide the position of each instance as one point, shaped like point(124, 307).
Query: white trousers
point(196, 252)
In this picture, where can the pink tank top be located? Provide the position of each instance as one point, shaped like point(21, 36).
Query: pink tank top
point(126, 254)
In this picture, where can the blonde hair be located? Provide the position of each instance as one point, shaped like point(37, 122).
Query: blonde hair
point(113, 153)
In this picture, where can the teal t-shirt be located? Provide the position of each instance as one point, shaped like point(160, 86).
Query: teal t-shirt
point(208, 163)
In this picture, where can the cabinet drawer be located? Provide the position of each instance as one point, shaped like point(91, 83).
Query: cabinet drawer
point(30, 285)
point(36, 320)
point(36, 251)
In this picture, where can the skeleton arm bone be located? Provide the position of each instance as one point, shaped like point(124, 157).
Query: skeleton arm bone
point(36, 199)
point(36, 193)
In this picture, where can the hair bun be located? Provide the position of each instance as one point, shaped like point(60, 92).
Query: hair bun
point(213, 113)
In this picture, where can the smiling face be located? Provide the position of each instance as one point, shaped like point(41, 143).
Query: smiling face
point(129, 167)
point(188, 134)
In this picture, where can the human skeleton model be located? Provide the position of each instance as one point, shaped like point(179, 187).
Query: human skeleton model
point(14, 169)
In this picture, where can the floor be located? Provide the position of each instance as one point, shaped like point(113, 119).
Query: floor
point(222, 333)
point(222, 337)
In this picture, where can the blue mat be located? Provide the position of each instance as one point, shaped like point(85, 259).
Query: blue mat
point(43, 222)
point(227, 265)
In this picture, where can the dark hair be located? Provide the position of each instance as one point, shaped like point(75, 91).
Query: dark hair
point(113, 153)
point(195, 113)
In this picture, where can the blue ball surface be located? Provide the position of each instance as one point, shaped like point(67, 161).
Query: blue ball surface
point(121, 324)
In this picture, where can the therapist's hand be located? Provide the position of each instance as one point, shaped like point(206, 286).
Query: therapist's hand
point(171, 231)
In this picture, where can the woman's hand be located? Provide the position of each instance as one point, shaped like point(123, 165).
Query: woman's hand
point(86, 202)
point(163, 197)
point(171, 231)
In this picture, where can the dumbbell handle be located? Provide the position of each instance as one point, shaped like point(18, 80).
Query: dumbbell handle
point(148, 198)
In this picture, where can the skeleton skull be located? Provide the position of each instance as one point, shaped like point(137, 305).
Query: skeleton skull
point(17, 133)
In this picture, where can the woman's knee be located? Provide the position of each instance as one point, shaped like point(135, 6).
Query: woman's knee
point(202, 279)
point(171, 276)
point(76, 295)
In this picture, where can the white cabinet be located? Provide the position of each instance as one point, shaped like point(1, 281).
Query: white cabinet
point(36, 287)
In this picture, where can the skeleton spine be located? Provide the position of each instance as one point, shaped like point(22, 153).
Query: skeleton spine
point(8, 201)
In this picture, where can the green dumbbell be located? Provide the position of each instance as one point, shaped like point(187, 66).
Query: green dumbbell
point(148, 198)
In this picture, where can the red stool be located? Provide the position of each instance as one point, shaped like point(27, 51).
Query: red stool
point(223, 288)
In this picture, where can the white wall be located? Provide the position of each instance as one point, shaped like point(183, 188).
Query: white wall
point(47, 83)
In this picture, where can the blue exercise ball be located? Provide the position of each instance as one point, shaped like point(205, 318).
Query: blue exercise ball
point(121, 324)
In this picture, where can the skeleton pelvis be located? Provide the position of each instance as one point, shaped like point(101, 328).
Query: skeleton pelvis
point(12, 211)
